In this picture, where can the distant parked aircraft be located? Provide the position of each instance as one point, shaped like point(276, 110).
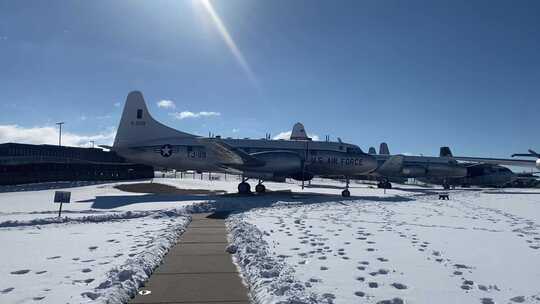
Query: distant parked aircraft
point(506, 161)
point(405, 166)
point(142, 139)
point(478, 173)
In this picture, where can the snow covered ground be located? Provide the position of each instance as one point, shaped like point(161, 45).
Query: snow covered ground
point(481, 246)
point(404, 246)
point(106, 243)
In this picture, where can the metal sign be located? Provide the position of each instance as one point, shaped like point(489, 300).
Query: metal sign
point(62, 197)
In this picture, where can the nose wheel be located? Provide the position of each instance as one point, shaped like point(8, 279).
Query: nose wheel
point(346, 192)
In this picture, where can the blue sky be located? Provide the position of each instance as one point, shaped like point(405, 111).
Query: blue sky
point(416, 74)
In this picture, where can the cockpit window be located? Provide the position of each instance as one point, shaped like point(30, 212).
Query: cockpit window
point(354, 150)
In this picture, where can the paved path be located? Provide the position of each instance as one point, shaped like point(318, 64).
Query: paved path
point(197, 269)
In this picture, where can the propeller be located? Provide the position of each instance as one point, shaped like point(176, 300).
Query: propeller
point(534, 153)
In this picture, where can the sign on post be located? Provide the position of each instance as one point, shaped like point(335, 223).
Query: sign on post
point(61, 197)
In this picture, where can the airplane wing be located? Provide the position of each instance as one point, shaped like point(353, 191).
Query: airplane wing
point(499, 161)
point(391, 165)
point(230, 156)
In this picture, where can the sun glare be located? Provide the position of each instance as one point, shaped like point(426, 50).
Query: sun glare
point(229, 41)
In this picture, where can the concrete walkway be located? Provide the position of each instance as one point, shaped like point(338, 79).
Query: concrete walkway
point(197, 269)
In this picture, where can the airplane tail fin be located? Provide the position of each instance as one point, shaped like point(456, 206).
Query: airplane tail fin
point(372, 150)
point(383, 149)
point(137, 125)
point(299, 132)
point(445, 152)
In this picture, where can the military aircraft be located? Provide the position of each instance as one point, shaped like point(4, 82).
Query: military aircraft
point(506, 161)
point(142, 139)
point(478, 174)
point(405, 166)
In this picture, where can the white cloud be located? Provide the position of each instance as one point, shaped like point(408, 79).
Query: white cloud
point(83, 117)
point(106, 116)
point(287, 135)
point(166, 104)
point(235, 130)
point(188, 114)
point(49, 135)
point(117, 104)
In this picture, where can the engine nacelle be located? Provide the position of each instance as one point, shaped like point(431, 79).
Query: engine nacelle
point(413, 171)
point(441, 170)
point(279, 162)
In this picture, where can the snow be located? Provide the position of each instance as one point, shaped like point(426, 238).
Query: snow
point(304, 246)
point(92, 253)
point(405, 245)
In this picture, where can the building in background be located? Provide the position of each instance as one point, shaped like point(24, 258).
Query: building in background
point(24, 163)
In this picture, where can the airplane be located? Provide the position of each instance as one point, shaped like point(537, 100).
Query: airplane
point(478, 174)
point(405, 166)
point(506, 161)
point(141, 139)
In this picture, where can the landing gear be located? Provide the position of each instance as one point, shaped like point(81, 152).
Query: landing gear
point(384, 185)
point(446, 185)
point(243, 187)
point(346, 192)
point(260, 188)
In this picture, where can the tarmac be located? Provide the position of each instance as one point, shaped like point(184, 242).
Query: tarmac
point(197, 270)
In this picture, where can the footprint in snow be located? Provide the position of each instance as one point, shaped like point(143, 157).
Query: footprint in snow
point(7, 290)
point(91, 248)
point(87, 261)
point(373, 284)
point(393, 301)
point(41, 272)
point(518, 299)
point(54, 257)
point(22, 271)
point(487, 301)
point(38, 298)
point(85, 270)
point(399, 286)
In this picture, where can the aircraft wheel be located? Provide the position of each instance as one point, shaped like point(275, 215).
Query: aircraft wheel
point(379, 185)
point(260, 188)
point(446, 187)
point(388, 185)
point(345, 193)
point(244, 188)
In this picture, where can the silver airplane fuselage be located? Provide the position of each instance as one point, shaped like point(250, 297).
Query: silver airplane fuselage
point(320, 158)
